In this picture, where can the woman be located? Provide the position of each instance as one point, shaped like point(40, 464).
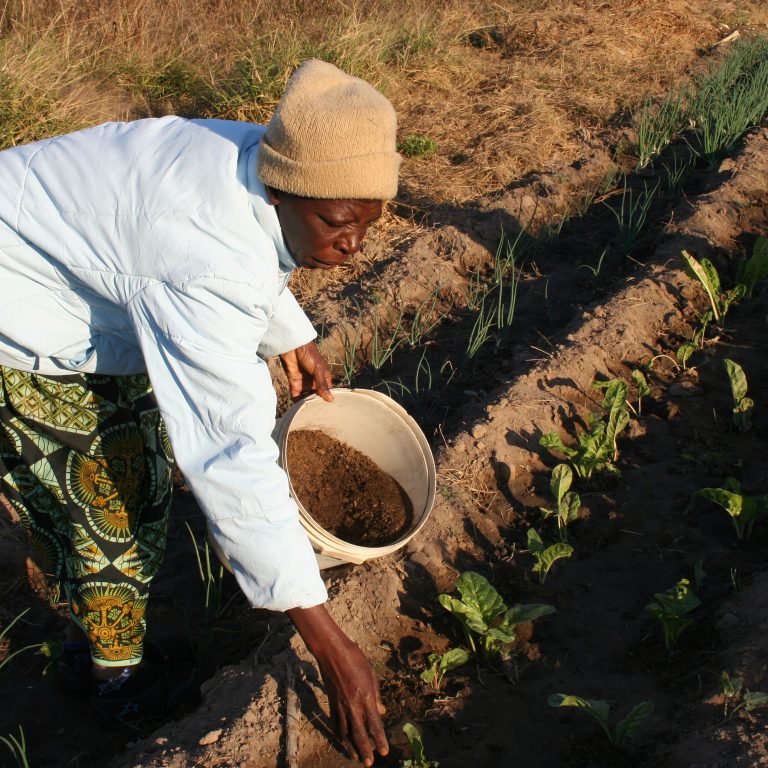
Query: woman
point(143, 271)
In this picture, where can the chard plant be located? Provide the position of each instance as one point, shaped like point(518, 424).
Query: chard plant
point(742, 405)
point(545, 556)
point(617, 735)
point(755, 268)
point(442, 663)
point(706, 273)
point(643, 390)
point(596, 449)
point(489, 626)
point(418, 757)
point(671, 608)
point(744, 510)
point(567, 502)
point(734, 698)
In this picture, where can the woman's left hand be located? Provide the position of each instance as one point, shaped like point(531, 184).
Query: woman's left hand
point(307, 371)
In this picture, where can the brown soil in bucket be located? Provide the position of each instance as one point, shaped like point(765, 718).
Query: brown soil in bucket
point(346, 492)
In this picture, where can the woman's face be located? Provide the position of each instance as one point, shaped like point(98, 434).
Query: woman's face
point(321, 234)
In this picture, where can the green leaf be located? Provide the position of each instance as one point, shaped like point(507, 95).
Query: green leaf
point(418, 758)
point(535, 544)
point(551, 555)
point(478, 593)
point(684, 352)
point(627, 728)
point(453, 658)
point(522, 614)
point(755, 700)
point(737, 379)
point(599, 709)
point(731, 686)
point(731, 502)
point(470, 618)
point(562, 477)
point(553, 442)
point(572, 506)
point(756, 268)
point(640, 382)
point(706, 274)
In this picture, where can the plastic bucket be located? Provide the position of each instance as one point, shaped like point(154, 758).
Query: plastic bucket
point(378, 427)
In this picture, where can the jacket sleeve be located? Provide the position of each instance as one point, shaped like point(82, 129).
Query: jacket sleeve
point(288, 328)
point(215, 394)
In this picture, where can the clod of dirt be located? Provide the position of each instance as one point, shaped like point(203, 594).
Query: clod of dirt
point(346, 492)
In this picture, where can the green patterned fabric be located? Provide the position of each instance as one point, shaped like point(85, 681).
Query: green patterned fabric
point(85, 462)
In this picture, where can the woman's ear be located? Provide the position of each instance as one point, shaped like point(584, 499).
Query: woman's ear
point(273, 195)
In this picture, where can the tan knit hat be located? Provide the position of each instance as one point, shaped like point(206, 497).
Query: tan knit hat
point(332, 136)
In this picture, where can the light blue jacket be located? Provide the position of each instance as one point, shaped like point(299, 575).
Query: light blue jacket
point(151, 246)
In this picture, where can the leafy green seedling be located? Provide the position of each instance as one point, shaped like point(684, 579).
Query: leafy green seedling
point(442, 663)
point(488, 624)
point(418, 757)
point(706, 273)
point(625, 729)
point(742, 405)
point(596, 449)
point(744, 510)
point(755, 268)
point(734, 700)
point(567, 502)
point(671, 608)
point(643, 390)
point(546, 555)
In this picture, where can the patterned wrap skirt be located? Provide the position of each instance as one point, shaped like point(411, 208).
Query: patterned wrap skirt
point(86, 464)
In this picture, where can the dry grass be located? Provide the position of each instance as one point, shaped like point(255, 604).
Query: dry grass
point(503, 88)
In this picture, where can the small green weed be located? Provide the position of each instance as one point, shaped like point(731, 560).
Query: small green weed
point(671, 608)
point(488, 624)
point(418, 757)
point(567, 502)
point(744, 510)
point(623, 731)
point(415, 145)
point(545, 556)
point(743, 406)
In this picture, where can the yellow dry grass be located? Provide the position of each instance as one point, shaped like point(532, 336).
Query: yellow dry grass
point(503, 88)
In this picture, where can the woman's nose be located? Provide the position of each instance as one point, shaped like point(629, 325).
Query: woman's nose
point(349, 243)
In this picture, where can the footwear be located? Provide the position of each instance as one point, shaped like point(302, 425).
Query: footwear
point(153, 690)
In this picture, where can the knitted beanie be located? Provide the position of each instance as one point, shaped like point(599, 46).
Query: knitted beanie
point(332, 136)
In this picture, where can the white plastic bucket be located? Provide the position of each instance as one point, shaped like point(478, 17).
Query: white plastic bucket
point(382, 430)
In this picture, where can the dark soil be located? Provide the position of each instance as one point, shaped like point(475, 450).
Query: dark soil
point(346, 492)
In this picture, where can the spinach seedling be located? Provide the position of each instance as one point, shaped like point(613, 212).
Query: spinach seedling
point(742, 405)
point(488, 624)
point(734, 701)
point(596, 449)
point(625, 729)
point(442, 663)
point(546, 556)
point(418, 757)
point(743, 509)
point(671, 608)
point(567, 502)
